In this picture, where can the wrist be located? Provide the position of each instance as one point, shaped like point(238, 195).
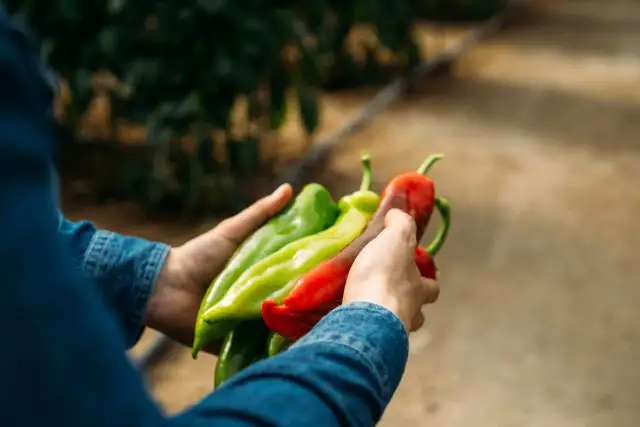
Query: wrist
point(163, 291)
point(388, 303)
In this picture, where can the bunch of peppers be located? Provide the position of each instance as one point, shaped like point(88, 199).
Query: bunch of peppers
point(291, 272)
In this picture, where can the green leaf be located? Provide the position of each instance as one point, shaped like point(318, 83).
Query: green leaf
point(309, 109)
point(205, 153)
point(212, 6)
point(70, 11)
point(216, 108)
point(158, 133)
point(108, 42)
point(188, 108)
point(115, 6)
point(144, 71)
point(245, 79)
point(244, 155)
point(254, 106)
point(279, 81)
point(81, 91)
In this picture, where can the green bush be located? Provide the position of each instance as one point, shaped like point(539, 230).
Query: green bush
point(458, 10)
point(179, 67)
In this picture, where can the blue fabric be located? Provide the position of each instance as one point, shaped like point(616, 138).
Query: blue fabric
point(123, 268)
point(63, 357)
point(343, 373)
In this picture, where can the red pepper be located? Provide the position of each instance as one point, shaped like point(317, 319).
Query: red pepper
point(411, 192)
point(293, 324)
point(324, 285)
point(289, 323)
point(417, 191)
point(425, 263)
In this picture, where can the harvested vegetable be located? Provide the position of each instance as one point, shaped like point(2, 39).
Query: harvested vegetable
point(276, 343)
point(273, 277)
point(243, 346)
point(312, 211)
point(321, 289)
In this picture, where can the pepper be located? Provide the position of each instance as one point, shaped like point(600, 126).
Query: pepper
point(312, 211)
point(413, 193)
point(323, 286)
point(243, 346)
point(273, 277)
point(276, 343)
point(424, 257)
point(292, 325)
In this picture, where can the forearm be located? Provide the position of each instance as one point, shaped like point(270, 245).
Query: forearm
point(343, 373)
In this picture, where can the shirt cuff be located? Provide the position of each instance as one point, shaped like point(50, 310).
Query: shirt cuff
point(126, 269)
point(371, 330)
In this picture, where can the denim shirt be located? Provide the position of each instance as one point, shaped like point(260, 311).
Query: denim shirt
point(73, 298)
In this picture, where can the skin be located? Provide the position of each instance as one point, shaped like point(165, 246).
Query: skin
point(190, 268)
point(384, 273)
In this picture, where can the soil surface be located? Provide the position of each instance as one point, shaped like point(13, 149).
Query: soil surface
point(537, 323)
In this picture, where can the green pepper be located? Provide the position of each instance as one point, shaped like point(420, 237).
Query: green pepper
point(243, 346)
point(273, 277)
point(312, 211)
point(276, 343)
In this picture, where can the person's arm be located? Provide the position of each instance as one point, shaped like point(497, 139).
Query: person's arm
point(124, 268)
point(63, 361)
point(343, 373)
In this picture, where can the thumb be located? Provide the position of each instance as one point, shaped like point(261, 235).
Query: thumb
point(395, 244)
point(401, 229)
point(238, 227)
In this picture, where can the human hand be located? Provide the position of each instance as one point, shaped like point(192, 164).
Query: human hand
point(385, 273)
point(190, 268)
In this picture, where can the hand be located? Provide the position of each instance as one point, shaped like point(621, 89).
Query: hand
point(385, 273)
point(190, 268)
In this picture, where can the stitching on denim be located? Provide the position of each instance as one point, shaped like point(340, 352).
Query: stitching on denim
point(95, 251)
point(147, 280)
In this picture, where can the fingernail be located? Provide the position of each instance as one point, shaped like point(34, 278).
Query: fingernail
point(278, 190)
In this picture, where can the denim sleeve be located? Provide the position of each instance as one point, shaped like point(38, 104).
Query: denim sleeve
point(123, 268)
point(63, 356)
point(343, 373)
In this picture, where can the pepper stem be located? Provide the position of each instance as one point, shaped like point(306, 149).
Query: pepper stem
point(444, 208)
point(431, 160)
point(365, 184)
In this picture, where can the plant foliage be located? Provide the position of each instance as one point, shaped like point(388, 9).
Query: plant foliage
point(180, 67)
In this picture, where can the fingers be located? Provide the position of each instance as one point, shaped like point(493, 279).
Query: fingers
point(431, 290)
point(417, 321)
point(238, 227)
point(401, 225)
point(399, 236)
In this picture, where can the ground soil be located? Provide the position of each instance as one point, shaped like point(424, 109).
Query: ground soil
point(537, 323)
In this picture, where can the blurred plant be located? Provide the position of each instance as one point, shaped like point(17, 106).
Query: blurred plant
point(458, 10)
point(179, 68)
point(182, 68)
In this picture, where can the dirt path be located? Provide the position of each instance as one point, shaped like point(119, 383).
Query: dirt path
point(536, 325)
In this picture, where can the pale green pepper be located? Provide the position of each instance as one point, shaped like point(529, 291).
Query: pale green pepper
point(273, 277)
